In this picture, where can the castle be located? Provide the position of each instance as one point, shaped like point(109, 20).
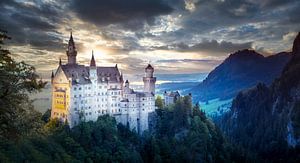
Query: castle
point(83, 93)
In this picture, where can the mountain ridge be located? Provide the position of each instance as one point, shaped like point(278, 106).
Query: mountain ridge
point(236, 73)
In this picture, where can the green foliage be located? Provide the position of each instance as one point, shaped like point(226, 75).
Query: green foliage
point(194, 139)
point(295, 117)
point(46, 116)
point(16, 80)
point(183, 133)
point(159, 102)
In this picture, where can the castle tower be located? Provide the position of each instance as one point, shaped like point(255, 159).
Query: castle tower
point(126, 87)
point(149, 80)
point(93, 68)
point(71, 51)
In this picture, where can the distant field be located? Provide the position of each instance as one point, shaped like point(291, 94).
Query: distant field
point(175, 86)
point(216, 106)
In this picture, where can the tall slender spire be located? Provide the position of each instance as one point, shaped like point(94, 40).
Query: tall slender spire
point(71, 41)
point(52, 75)
point(93, 62)
point(71, 51)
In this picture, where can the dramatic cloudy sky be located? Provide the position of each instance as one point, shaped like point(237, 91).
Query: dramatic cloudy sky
point(176, 36)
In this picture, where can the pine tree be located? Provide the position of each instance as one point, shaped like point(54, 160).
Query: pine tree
point(16, 80)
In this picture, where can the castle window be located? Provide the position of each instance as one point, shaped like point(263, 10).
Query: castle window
point(79, 88)
point(75, 96)
point(75, 109)
point(75, 88)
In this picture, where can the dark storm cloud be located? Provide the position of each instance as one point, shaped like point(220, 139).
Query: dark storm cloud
point(274, 3)
point(31, 24)
point(294, 14)
point(210, 46)
point(211, 15)
point(129, 13)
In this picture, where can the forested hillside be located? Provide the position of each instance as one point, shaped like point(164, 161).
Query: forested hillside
point(265, 120)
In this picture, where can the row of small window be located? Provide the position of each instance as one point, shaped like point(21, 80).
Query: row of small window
point(88, 95)
point(60, 115)
point(115, 93)
point(100, 87)
point(86, 101)
point(60, 88)
point(60, 102)
point(103, 112)
point(59, 96)
point(115, 99)
point(89, 107)
point(150, 98)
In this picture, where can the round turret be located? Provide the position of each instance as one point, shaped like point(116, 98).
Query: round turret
point(149, 71)
point(149, 80)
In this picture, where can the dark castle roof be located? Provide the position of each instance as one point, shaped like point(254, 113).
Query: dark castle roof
point(93, 62)
point(149, 67)
point(80, 74)
point(173, 94)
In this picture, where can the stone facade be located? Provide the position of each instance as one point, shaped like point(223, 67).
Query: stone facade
point(83, 93)
point(171, 97)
